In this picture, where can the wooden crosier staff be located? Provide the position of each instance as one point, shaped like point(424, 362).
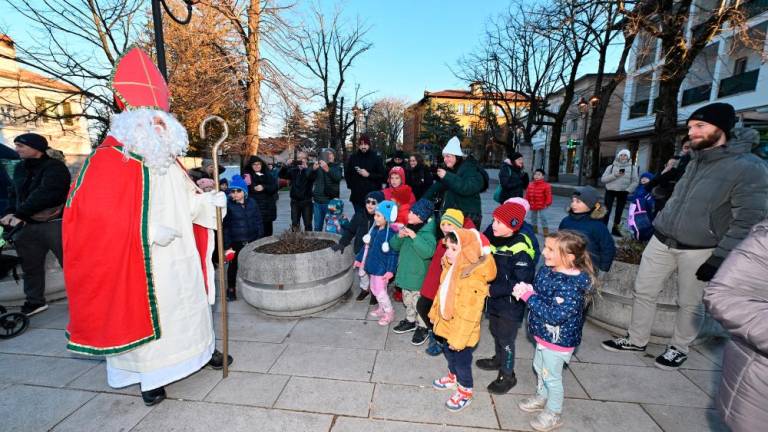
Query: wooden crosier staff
point(220, 242)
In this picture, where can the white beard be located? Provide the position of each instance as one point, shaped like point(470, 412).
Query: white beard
point(159, 147)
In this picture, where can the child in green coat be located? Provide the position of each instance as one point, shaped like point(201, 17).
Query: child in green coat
point(416, 243)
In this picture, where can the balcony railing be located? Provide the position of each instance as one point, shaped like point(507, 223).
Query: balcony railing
point(639, 109)
point(744, 82)
point(696, 94)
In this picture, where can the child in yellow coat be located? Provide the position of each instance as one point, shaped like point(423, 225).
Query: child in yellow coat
point(458, 309)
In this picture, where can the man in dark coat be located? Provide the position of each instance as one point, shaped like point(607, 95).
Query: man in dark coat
point(398, 159)
point(364, 173)
point(301, 191)
point(36, 201)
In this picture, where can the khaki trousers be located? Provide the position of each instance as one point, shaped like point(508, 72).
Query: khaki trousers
point(658, 262)
point(410, 298)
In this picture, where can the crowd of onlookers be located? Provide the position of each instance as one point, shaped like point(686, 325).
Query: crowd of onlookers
point(418, 238)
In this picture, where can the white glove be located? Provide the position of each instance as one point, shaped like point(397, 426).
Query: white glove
point(162, 235)
point(218, 199)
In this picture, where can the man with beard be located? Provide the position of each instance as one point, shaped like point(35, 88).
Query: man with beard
point(364, 173)
point(723, 193)
point(137, 238)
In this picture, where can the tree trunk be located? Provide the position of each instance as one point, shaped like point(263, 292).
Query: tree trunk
point(665, 127)
point(253, 88)
point(553, 166)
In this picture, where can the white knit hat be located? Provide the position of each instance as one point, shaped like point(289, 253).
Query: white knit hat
point(453, 147)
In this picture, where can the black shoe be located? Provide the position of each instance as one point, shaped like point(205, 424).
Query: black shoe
point(420, 336)
point(621, 344)
point(30, 309)
point(616, 231)
point(217, 360)
point(489, 364)
point(363, 294)
point(404, 326)
point(153, 397)
point(503, 383)
point(231, 295)
point(671, 359)
point(373, 301)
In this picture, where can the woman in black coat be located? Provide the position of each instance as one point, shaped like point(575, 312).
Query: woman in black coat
point(418, 176)
point(262, 187)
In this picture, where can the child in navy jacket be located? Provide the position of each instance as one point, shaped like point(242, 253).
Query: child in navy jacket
point(241, 226)
point(585, 217)
point(378, 260)
point(556, 304)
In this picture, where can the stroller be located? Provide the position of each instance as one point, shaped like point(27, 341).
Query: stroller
point(12, 324)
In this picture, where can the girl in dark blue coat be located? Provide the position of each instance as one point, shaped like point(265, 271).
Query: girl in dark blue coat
point(556, 304)
point(585, 216)
point(242, 225)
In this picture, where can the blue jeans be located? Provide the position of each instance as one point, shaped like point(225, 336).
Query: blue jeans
point(460, 364)
point(548, 365)
point(318, 215)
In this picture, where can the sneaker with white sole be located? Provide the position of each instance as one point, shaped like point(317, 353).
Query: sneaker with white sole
point(445, 383)
point(404, 326)
point(671, 359)
point(621, 344)
point(30, 309)
point(533, 404)
point(460, 399)
point(420, 336)
point(546, 421)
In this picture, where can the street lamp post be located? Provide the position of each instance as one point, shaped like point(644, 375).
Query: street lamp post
point(157, 19)
point(585, 108)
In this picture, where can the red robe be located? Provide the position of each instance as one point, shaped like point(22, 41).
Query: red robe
point(107, 262)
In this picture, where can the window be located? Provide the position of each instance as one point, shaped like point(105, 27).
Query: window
point(740, 66)
point(460, 109)
point(469, 131)
point(470, 108)
point(40, 108)
point(66, 109)
point(574, 125)
point(7, 115)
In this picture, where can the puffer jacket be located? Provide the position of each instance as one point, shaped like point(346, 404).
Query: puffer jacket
point(38, 184)
point(600, 243)
point(738, 298)
point(432, 280)
point(614, 181)
point(376, 262)
point(461, 187)
point(721, 196)
point(415, 254)
point(243, 223)
point(326, 184)
point(462, 330)
point(556, 309)
point(514, 263)
point(539, 194)
point(513, 181)
point(355, 230)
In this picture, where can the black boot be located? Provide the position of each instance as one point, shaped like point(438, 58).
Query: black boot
point(231, 294)
point(490, 364)
point(154, 396)
point(616, 231)
point(374, 301)
point(503, 383)
point(363, 294)
point(217, 360)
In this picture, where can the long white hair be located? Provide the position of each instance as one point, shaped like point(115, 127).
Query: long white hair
point(152, 134)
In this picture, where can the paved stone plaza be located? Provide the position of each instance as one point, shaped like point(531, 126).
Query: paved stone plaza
point(339, 371)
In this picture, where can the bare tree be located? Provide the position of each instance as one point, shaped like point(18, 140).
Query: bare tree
point(77, 43)
point(327, 48)
point(265, 38)
point(667, 22)
point(385, 123)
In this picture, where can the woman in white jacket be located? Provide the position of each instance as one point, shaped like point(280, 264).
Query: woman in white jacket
point(620, 179)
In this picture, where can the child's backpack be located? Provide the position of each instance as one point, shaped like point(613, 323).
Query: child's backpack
point(639, 221)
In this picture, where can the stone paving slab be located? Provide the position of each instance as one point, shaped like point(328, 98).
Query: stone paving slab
point(346, 309)
point(96, 380)
point(427, 405)
point(713, 350)
point(326, 362)
point(246, 388)
point(47, 371)
point(695, 359)
point(708, 381)
point(681, 419)
point(254, 356)
point(255, 327)
point(639, 384)
point(591, 351)
point(194, 387)
point(580, 416)
point(26, 408)
point(347, 424)
point(338, 333)
point(327, 396)
point(42, 342)
point(56, 317)
point(106, 412)
point(206, 417)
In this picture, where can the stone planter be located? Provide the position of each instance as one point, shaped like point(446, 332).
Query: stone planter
point(12, 292)
point(613, 308)
point(295, 284)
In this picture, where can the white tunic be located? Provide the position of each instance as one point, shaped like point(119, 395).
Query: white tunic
point(187, 338)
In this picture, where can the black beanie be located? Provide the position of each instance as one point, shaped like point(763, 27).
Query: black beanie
point(718, 114)
point(37, 142)
point(515, 156)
